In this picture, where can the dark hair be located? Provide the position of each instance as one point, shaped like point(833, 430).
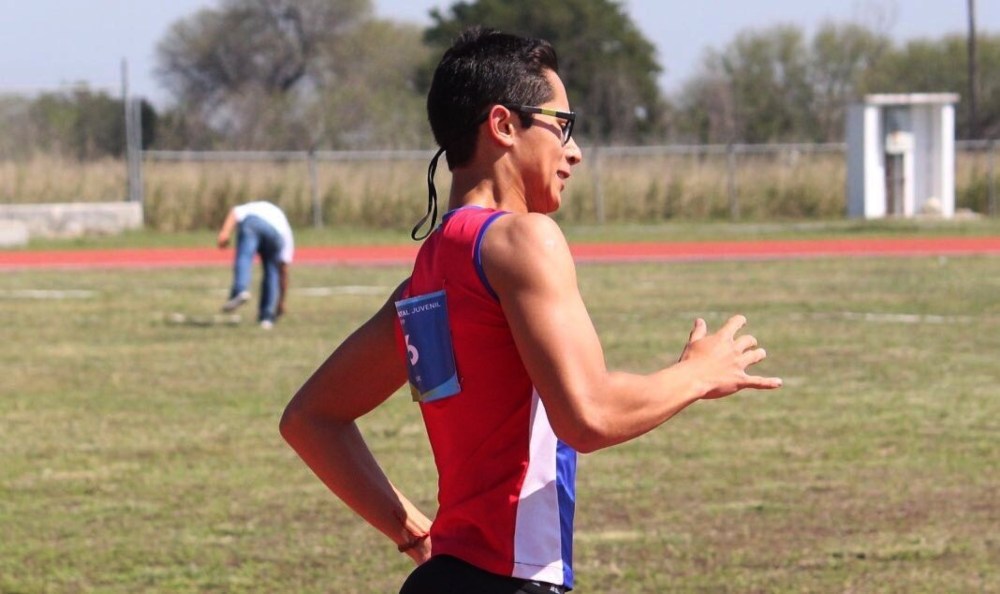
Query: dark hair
point(482, 68)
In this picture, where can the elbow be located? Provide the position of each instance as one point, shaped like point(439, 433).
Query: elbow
point(585, 433)
point(292, 422)
point(585, 446)
point(587, 442)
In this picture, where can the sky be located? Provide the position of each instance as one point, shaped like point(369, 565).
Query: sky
point(48, 44)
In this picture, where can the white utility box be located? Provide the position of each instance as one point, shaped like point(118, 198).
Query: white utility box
point(901, 155)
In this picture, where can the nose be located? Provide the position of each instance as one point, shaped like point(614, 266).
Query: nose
point(573, 153)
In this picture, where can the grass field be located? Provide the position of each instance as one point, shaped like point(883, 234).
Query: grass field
point(142, 455)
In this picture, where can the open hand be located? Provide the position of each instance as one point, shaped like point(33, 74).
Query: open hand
point(724, 358)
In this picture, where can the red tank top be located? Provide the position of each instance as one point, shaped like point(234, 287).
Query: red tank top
point(506, 483)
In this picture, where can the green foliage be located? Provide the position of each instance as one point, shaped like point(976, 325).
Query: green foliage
point(922, 66)
point(938, 66)
point(840, 55)
point(774, 85)
point(292, 75)
point(608, 66)
point(768, 74)
point(981, 195)
point(80, 123)
point(267, 46)
point(326, 74)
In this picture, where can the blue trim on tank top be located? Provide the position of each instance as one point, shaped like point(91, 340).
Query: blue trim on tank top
point(477, 254)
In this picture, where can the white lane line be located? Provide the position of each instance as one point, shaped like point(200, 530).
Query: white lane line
point(342, 290)
point(47, 294)
point(857, 316)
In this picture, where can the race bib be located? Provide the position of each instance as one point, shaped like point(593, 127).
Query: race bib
point(430, 358)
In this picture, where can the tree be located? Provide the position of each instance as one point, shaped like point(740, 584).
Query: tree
point(936, 66)
point(264, 44)
point(768, 74)
point(17, 136)
point(706, 113)
point(78, 123)
point(608, 67)
point(840, 56)
point(772, 85)
point(371, 94)
point(291, 74)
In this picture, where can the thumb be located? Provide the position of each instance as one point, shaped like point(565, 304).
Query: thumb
point(697, 333)
point(699, 330)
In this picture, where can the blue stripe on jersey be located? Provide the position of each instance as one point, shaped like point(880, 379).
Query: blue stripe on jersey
point(478, 254)
point(566, 487)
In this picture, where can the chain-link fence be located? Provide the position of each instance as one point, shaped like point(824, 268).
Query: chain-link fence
point(193, 190)
point(615, 184)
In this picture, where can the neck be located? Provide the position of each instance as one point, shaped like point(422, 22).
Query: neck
point(488, 186)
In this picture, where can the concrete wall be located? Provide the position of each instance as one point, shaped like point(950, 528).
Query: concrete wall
point(74, 219)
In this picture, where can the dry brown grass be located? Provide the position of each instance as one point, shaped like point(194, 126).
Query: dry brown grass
point(392, 193)
point(47, 178)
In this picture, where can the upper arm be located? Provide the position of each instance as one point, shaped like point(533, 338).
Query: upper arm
point(529, 265)
point(359, 375)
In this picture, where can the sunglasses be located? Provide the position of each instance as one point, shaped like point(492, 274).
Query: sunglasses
point(568, 116)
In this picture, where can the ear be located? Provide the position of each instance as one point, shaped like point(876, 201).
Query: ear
point(500, 126)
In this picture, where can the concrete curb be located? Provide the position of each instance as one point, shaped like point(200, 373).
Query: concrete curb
point(13, 233)
point(73, 219)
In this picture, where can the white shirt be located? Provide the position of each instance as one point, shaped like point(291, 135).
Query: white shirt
point(273, 216)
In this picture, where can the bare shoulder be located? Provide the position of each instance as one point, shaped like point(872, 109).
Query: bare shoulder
point(525, 246)
point(521, 235)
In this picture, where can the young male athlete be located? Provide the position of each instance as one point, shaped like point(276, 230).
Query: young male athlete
point(498, 347)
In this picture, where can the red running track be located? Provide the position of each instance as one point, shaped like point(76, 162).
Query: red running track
point(582, 252)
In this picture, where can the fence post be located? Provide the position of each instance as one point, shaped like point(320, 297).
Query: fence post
point(133, 149)
point(317, 208)
point(595, 154)
point(734, 202)
point(993, 177)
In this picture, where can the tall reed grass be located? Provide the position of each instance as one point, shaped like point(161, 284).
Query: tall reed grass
point(192, 195)
point(48, 178)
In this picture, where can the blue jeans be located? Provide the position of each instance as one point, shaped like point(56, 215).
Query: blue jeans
point(255, 236)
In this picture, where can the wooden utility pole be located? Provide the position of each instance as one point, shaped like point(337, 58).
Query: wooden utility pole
point(973, 75)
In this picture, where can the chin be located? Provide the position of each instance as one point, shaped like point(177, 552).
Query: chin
point(554, 204)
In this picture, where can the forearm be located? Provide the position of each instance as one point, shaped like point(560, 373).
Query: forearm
point(615, 407)
point(226, 231)
point(319, 424)
point(338, 455)
point(619, 406)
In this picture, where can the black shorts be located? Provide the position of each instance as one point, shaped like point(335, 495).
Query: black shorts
point(444, 574)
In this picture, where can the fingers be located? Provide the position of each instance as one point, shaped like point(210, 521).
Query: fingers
point(732, 326)
point(753, 357)
point(745, 343)
point(763, 383)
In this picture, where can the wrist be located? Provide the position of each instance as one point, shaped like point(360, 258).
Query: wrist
point(415, 530)
point(413, 542)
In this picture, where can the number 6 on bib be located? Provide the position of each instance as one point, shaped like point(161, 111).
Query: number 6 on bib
point(430, 359)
